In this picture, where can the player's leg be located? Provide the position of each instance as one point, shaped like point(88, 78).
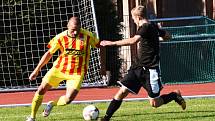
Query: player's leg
point(63, 100)
point(176, 96)
point(73, 86)
point(115, 103)
point(37, 100)
point(42, 89)
point(153, 87)
point(128, 84)
point(166, 98)
point(53, 78)
point(70, 95)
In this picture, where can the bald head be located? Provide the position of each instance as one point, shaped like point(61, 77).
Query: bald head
point(73, 26)
point(75, 20)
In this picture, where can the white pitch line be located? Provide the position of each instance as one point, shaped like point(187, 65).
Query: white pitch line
point(106, 100)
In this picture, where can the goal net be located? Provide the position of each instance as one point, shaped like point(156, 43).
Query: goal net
point(26, 26)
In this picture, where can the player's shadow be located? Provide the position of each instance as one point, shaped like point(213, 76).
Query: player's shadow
point(70, 119)
point(189, 115)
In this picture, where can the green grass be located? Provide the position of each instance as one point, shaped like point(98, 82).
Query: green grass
point(197, 110)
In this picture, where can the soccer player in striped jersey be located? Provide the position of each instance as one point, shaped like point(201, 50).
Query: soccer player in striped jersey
point(71, 65)
point(145, 71)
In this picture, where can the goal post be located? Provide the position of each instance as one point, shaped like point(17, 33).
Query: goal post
point(25, 29)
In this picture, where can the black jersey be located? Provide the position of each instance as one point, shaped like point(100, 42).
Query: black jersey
point(148, 52)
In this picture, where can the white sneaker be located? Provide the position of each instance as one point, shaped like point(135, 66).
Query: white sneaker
point(30, 119)
point(48, 109)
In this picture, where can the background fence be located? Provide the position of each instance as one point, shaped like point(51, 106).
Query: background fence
point(189, 57)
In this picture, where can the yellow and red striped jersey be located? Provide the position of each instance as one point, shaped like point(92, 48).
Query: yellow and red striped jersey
point(75, 52)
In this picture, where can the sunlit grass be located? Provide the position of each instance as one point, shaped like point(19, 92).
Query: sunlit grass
point(197, 110)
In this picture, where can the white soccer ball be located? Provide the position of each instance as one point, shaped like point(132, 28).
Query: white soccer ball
point(90, 112)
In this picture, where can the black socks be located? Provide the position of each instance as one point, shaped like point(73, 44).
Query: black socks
point(169, 97)
point(113, 107)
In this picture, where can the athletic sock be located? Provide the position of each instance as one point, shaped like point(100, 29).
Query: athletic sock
point(36, 102)
point(168, 97)
point(113, 107)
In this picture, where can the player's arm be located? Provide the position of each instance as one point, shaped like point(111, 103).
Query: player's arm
point(44, 60)
point(53, 46)
point(123, 42)
point(165, 35)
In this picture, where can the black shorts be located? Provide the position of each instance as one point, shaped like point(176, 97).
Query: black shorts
point(147, 78)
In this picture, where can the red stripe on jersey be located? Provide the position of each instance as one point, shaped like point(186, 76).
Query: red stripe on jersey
point(65, 38)
point(87, 46)
point(65, 64)
point(60, 42)
point(61, 49)
point(60, 60)
point(71, 71)
point(58, 63)
point(73, 43)
point(66, 41)
point(48, 46)
point(80, 65)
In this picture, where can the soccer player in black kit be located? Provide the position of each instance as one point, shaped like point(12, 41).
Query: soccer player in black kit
point(145, 71)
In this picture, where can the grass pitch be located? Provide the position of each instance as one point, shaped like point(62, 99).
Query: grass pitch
point(202, 109)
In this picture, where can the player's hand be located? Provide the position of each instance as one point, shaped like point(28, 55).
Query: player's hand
point(33, 75)
point(167, 36)
point(106, 43)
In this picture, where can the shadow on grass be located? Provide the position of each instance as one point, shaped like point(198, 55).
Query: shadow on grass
point(173, 115)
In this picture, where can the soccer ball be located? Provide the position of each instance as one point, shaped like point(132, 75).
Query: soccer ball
point(90, 113)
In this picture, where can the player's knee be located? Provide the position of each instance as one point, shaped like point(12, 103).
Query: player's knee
point(43, 88)
point(122, 93)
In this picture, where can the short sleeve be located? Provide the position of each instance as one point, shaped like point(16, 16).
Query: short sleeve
point(54, 45)
point(94, 41)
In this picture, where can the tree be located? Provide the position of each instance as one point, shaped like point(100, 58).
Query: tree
point(109, 28)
